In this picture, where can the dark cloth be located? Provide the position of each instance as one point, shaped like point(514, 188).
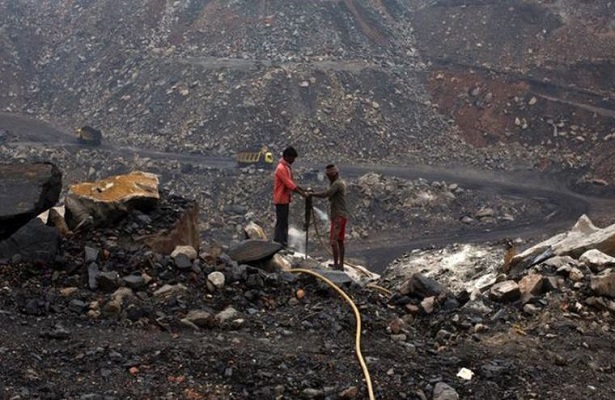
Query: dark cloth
point(281, 224)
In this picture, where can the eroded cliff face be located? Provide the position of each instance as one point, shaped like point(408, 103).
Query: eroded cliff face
point(536, 73)
point(351, 79)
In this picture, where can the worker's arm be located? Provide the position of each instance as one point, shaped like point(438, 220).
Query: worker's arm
point(327, 193)
point(301, 191)
point(284, 175)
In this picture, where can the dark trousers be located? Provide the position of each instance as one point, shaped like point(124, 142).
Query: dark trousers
point(281, 224)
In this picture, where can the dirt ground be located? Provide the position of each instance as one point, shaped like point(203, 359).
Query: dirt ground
point(280, 347)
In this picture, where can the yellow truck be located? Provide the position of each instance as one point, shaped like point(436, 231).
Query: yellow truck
point(90, 136)
point(262, 158)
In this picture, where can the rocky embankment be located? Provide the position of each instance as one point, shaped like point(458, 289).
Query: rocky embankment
point(128, 305)
point(497, 86)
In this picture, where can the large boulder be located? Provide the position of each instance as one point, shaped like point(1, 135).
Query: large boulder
point(104, 202)
point(34, 242)
point(420, 286)
point(25, 192)
point(183, 231)
point(582, 237)
point(253, 250)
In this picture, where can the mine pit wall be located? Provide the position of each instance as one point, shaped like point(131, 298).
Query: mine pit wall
point(518, 72)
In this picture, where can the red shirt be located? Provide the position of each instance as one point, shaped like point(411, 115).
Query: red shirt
point(283, 183)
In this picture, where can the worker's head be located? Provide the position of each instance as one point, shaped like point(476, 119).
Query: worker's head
point(332, 172)
point(290, 154)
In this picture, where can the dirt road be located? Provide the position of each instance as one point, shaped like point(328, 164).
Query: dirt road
point(378, 252)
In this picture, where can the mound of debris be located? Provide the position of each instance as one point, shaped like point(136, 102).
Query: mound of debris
point(240, 322)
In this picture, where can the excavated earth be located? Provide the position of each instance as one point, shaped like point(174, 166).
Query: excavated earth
point(453, 121)
point(274, 335)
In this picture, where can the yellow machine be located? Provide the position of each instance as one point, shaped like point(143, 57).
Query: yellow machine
point(261, 158)
point(89, 135)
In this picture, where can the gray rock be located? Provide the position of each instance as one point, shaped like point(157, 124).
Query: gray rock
point(91, 254)
point(226, 314)
point(442, 391)
point(216, 279)
point(505, 291)
point(582, 237)
point(596, 260)
point(27, 191)
point(420, 286)
point(108, 281)
point(34, 241)
point(200, 318)
point(93, 273)
point(604, 284)
point(77, 306)
point(171, 290)
point(530, 285)
point(188, 251)
point(182, 262)
point(485, 213)
point(134, 281)
point(428, 304)
point(337, 277)
point(558, 262)
point(252, 250)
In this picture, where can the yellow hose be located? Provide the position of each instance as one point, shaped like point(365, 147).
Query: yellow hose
point(382, 289)
point(368, 380)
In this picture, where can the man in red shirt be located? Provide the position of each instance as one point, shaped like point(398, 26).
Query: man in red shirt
point(283, 186)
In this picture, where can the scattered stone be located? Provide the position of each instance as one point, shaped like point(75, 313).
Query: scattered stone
point(108, 280)
point(596, 260)
point(168, 291)
point(188, 251)
point(134, 281)
point(182, 262)
point(428, 304)
point(254, 231)
point(442, 391)
point(575, 275)
point(529, 286)
point(420, 286)
point(226, 315)
point(215, 280)
point(93, 274)
point(530, 309)
point(604, 284)
point(506, 291)
point(91, 254)
point(200, 318)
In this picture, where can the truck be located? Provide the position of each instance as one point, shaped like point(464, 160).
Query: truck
point(89, 136)
point(262, 158)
